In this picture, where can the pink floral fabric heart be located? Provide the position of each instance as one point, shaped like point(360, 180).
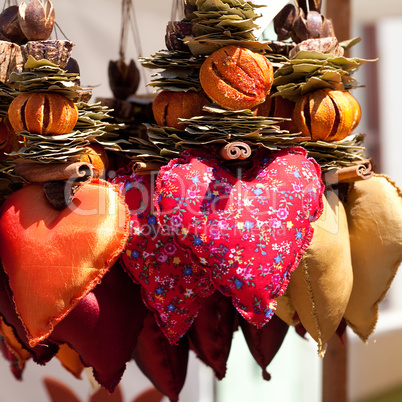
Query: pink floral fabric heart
point(173, 284)
point(249, 232)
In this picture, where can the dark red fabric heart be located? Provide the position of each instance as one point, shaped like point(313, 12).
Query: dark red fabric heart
point(172, 283)
point(42, 352)
point(104, 326)
point(211, 334)
point(264, 343)
point(164, 364)
point(249, 232)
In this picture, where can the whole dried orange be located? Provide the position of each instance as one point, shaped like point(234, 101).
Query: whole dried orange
point(236, 78)
point(326, 114)
point(43, 113)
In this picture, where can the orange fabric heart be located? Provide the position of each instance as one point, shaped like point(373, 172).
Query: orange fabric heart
point(54, 258)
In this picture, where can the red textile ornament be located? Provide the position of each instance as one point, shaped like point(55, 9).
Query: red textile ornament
point(249, 232)
point(164, 364)
point(104, 326)
point(54, 258)
point(211, 334)
point(172, 283)
point(265, 342)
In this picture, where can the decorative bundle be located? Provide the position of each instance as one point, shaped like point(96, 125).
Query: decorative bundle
point(246, 202)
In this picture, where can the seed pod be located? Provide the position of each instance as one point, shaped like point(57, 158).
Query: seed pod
point(326, 114)
point(36, 20)
point(176, 31)
point(10, 26)
point(123, 78)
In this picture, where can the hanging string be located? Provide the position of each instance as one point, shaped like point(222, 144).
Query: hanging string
point(177, 12)
point(125, 19)
point(136, 33)
point(129, 21)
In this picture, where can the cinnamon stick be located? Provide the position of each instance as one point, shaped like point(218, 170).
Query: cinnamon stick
point(146, 167)
point(236, 150)
point(350, 174)
point(37, 172)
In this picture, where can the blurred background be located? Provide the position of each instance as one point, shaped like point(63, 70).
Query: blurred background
point(374, 369)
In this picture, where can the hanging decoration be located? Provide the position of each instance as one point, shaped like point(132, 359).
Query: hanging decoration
point(236, 198)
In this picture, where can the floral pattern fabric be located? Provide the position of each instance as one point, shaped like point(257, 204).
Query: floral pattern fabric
point(173, 284)
point(248, 231)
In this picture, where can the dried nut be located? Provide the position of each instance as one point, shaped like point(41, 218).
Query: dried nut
point(326, 114)
point(123, 78)
point(236, 78)
point(43, 113)
point(169, 106)
point(37, 20)
point(10, 26)
point(176, 31)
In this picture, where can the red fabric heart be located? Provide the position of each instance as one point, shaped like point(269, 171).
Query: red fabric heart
point(104, 326)
point(211, 334)
point(54, 258)
point(249, 232)
point(173, 285)
point(164, 364)
point(264, 343)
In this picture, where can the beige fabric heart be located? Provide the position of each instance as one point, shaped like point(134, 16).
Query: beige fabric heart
point(321, 285)
point(374, 211)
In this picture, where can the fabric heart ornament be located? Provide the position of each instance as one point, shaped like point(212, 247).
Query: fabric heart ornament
point(12, 349)
point(321, 286)
point(173, 284)
point(249, 231)
point(264, 343)
point(70, 360)
point(104, 326)
point(212, 331)
point(374, 211)
point(41, 353)
point(164, 364)
point(54, 258)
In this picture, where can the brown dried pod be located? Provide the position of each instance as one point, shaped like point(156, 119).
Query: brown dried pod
point(326, 114)
point(284, 20)
point(123, 78)
point(176, 31)
point(36, 20)
point(300, 31)
point(10, 26)
point(189, 7)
